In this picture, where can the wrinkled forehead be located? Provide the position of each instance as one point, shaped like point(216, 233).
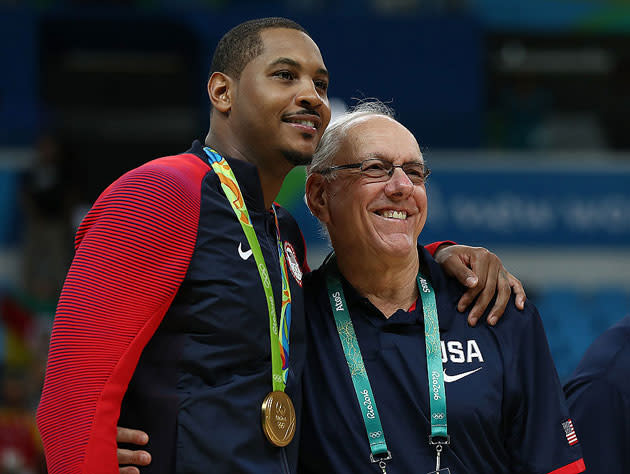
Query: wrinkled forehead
point(379, 137)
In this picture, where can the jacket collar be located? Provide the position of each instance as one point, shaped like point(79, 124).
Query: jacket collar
point(246, 175)
point(447, 293)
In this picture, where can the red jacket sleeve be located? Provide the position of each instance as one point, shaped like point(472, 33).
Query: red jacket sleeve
point(132, 253)
point(431, 248)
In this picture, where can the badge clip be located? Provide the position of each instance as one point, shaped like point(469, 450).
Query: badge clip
point(439, 442)
point(382, 459)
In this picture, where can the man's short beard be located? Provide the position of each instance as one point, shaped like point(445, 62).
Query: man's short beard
point(296, 158)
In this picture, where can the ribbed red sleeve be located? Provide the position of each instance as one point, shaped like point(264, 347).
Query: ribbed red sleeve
point(132, 253)
point(431, 248)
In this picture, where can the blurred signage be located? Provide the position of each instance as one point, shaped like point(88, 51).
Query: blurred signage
point(530, 206)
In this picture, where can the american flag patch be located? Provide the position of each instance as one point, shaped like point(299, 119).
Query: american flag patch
point(570, 432)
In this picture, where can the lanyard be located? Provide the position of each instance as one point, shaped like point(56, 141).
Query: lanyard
point(360, 380)
point(435, 371)
point(279, 339)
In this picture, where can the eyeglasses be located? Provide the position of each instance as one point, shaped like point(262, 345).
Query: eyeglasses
point(381, 170)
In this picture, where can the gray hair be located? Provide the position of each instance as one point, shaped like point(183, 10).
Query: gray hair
point(338, 129)
point(335, 134)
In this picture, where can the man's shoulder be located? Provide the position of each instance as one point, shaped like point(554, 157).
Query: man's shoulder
point(314, 281)
point(284, 216)
point(316, 278)
point(450, 290)
point(164, 191)
point(183, 166)
point(607, 359)
point(315, 290)
point(292, 236)
point(167, 178)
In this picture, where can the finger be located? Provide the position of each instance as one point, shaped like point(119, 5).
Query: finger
point(483, 265)
point(479, 271)
point(519, 292)
point(488, 270)
point(467, 298)
point(138, 458)
point(503, 296)
point(127, 435)
point(518, 289)
point(129, 470)
point(470, 280)
point(464, 275)
point(455, 261)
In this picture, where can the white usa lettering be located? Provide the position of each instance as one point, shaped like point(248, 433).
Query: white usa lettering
point(461, 352)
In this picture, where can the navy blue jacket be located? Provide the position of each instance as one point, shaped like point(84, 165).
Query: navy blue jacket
point(505, 405)
point(198, 387)
point(599, 401)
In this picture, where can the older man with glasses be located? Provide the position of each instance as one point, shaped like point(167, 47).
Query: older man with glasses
point(396, 381)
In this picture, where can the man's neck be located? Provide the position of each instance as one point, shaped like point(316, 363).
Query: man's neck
point(271, 178)
point(389, 285)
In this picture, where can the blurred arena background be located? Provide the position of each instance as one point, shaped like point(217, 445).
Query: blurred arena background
point(521, 109)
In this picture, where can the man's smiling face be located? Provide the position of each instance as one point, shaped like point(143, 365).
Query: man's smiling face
point(280, 103)
point(380, 217)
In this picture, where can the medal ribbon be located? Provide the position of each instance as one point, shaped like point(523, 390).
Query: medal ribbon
point(360, 380)
point(279, 339)
point(285, 311)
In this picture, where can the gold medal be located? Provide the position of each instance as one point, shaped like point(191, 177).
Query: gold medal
point(278, 418)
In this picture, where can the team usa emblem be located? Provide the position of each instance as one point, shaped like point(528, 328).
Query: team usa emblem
point(570, 432)
point(292, 262)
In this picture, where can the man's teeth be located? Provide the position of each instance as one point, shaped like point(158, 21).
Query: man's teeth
point(394, 214)
point(308, 123)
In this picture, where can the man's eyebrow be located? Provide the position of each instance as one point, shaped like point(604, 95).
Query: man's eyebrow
point(323, 72)
point(380, 156)
point(287, 61)
point(294, 63)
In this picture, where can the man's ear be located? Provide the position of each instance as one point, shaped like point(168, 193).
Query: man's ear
point(317, 196)
point(220, 89)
